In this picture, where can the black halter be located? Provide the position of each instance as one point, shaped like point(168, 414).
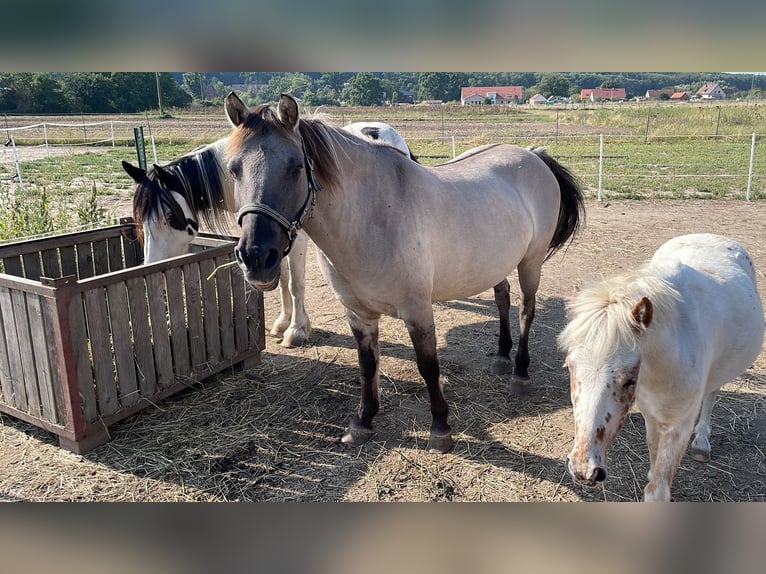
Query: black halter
point(291, 227)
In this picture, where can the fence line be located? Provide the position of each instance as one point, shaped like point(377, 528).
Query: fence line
point(611, 165)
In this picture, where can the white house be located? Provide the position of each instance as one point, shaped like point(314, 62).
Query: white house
point(537, 99)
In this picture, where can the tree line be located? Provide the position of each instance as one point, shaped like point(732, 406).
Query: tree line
point(130, 92)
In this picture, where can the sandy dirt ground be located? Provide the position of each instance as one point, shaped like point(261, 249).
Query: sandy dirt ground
point(273, 433)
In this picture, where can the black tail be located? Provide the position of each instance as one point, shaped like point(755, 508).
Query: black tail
point(572, 206)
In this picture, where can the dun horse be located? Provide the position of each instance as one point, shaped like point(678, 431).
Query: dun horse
point(170, 199)
point(394, 236)
point(666, 338)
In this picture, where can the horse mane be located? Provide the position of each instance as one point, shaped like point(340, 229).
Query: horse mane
point(318, 137)
point(197, 176)
point(600, 318)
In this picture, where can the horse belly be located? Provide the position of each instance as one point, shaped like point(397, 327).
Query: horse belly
point(465, 277)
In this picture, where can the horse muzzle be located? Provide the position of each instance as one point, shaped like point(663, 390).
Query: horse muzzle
point(259, 265)
point(587, 474)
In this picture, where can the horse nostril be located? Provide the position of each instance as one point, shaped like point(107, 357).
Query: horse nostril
point(271, 258)
point(599, 474)
point(238, 254)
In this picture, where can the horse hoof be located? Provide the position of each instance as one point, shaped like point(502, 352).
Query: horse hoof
point(294, 338)
point(501, 366)
point(279, 327)
point(700, 455)
point(520, 386)
point(440, 444)
point(356, 435)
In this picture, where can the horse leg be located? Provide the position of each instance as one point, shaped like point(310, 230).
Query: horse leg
point(423, 335)
point(365, 333)
point(501, 364)
point(299, 328)
point(700, 447)
point(285, 302)
point(529, 282)
point(671, 444)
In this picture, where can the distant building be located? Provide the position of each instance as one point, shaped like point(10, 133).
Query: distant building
point(595, 94)
point(657, 94)
point(493, 94)
point(711, 91)
point(537, 99)
point(680, 97)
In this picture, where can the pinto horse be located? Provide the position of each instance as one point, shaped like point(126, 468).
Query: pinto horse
point(169, 200)
point(666, 338)
point(394, 236)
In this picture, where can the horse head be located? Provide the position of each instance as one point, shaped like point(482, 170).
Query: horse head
point(274, 183)
point(165, 221)
point(603, 357)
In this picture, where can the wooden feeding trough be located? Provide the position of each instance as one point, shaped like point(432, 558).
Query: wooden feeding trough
point(89, 336)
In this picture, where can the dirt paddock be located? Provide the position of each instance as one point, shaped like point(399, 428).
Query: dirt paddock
point(273, 433)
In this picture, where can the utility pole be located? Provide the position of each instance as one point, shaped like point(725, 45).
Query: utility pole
point(159, 92)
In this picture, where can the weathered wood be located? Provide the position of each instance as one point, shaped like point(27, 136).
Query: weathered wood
point(114, 246)
point(98, 337)
point(119, 322)
point(225, 312)
point(194, 324)
point(41, 340)
point(163, 356)
point(68, 260)
point(101, 351)
point(6, 379)
point(177, 316)
point(51, 265)
point(210, 304)
point(12, 265)
point(84, 260)
point(142, 336)
point(100, 256)
point(80, 347)
point(29, 371)
point(32, 267)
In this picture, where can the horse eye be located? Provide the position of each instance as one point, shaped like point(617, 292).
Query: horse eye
point(297, 170)
point(629, 383)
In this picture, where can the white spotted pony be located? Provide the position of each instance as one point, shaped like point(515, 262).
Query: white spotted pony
point(665, 338)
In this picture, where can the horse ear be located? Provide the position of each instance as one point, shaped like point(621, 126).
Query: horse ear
point(642, 312)
point(135, 172)
point(236, 110)
point(287, 111)
point(163, 175)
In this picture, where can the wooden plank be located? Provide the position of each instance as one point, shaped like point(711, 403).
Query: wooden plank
point(24, 337)
point(254, 298)
point(100, 257)
point(78, 337)
point(54, 326)
point(55, 241)
point(239, 310)
point(119, 321)
point(163, 356)
point(142, 336)
point(84, 260)
point(114, 246)
point(177, 315)
point(6, 381)
point(51, 266)
point(32, 266)
point(12, 266)
point(210, 312)
point(225, 310)
point(101, 351)
point(132, 248)
point(41, 344)
point(68, 260)
point(194, 324)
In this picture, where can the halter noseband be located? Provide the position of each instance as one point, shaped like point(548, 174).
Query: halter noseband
point(291, 227)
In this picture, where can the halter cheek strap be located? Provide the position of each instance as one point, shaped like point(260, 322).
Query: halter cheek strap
point(291, 227)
